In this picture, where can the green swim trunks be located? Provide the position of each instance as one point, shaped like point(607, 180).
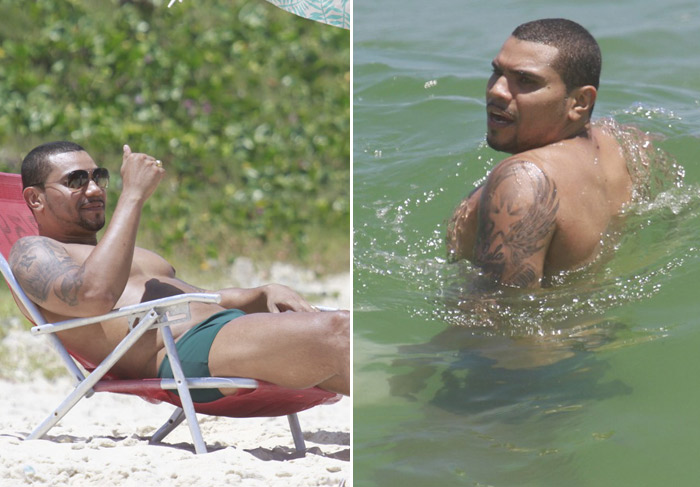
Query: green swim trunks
point(193, 348)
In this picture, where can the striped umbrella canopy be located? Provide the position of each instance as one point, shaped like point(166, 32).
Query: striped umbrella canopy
point(331, 12)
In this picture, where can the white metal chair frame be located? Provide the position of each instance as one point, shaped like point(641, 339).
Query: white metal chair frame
point(159, 313)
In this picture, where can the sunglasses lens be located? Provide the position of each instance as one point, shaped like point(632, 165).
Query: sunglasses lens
point(80, 178)
point(77, 179)
point(101, 177)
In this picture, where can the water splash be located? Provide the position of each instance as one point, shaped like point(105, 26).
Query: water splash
point(652, 170)
point(656, 235)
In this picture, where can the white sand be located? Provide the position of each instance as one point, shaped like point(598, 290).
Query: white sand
point(104, 439)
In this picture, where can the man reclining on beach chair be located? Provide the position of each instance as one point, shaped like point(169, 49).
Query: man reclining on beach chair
point(67, 273)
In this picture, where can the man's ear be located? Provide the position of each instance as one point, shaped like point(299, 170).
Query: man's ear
point(583, 100)
point(33, 198)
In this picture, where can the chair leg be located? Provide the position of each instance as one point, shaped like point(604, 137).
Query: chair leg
point(87, 384)
point(183, 391)
point(177, 417)
point(297, 434)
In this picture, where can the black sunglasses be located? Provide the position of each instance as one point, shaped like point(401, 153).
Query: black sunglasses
point(80, 178)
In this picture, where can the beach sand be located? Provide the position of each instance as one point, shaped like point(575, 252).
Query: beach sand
point(104, 439)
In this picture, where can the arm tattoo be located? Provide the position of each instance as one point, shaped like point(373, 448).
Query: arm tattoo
point(43, 266)
point(504, 250)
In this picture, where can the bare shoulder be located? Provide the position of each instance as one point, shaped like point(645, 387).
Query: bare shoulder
point(519, 195)
point(611, 128)
point(514, 188)
point(35, 250)
point(461, 228)
point(39, 263)
point(517, 219)
point(519, 175)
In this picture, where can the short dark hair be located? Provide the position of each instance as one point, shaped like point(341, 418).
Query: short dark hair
point(579, 60)
point(36, 165)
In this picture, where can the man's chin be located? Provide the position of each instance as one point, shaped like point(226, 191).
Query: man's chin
point(500, 146)
point(92, 225)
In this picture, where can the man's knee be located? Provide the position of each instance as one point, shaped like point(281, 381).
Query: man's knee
point(340, 330)
point(337, 329)
point(340, 323)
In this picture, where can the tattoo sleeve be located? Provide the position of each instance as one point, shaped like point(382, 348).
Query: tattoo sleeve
point(43, 267)
point(517, 218)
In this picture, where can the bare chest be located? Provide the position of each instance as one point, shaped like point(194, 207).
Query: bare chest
point(143, 263)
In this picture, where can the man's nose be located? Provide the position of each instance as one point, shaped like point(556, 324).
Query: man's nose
point(498, 87)
point(92, 187)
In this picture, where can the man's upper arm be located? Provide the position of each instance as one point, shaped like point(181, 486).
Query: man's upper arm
point(517, 219)
point(47, 273)
point(461, 229)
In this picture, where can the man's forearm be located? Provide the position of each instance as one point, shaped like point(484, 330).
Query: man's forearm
point(270, 298)
point(106, 270)
point(251, 300)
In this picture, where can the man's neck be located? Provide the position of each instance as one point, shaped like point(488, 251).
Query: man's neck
point(81, 240)
point(71, 239)
point(579, 131)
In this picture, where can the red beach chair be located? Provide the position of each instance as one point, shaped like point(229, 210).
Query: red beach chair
point(254, 398)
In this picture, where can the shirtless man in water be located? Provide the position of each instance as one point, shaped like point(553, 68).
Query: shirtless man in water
point(544, 209)
point(69, 274)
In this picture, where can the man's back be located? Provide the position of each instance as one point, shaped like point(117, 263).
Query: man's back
point(553, 203)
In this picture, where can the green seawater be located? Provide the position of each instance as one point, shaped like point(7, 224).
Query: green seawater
point(592, 382)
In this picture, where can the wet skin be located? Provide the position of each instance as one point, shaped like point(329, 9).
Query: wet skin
point(544, 209)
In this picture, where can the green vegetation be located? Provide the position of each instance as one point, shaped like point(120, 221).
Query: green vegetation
point(247, 106)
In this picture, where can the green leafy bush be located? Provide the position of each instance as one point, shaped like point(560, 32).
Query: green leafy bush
point(247, 105)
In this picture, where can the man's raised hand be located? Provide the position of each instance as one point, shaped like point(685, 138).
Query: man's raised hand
point(141, 173)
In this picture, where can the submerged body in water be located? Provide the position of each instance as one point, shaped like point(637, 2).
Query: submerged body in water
point(525, 328)
point(546, 211)
point(543, 209)
point(648, 170)
point(499, 338)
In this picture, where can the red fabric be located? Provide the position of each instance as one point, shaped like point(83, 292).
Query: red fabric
point(267, 400)
point(16, 221)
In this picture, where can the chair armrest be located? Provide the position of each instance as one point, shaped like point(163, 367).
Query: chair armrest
point(324, 308)
point(160, 305)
